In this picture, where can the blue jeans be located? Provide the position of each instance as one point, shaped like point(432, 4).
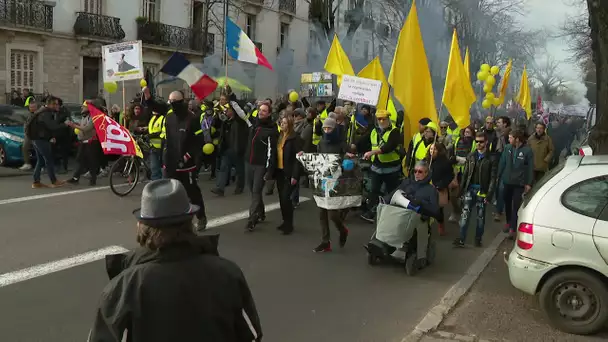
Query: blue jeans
point(44, 158)
point(156, 169)
point(228, 159)
point(500, 198)
point(472, 199)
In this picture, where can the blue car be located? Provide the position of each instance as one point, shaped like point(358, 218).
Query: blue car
point(12, 120)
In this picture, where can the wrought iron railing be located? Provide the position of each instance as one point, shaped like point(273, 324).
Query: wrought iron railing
point(197, 42)
point(29, 14)
point(174, 37)
point(96, 25)
point(287, 6)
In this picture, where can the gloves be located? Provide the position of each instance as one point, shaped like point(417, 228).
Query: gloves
point(413, 207)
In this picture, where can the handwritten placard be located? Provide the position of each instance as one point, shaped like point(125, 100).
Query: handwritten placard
point(360, 90)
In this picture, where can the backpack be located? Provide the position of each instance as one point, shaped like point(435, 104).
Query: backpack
point(31, 125)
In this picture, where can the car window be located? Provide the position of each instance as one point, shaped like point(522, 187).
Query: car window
point(542, 181)
point(13, 116)
point(588, 197)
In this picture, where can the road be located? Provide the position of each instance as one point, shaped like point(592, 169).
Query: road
point(301, 296)
point(493, 310)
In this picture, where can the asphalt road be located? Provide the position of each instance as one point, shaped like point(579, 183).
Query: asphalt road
point(301, 296)
point(495, 310)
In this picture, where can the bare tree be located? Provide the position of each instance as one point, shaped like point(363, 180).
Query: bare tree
point(547, 74)
point(577, 32)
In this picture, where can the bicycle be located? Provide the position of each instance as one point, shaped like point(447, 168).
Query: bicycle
point(129, 167)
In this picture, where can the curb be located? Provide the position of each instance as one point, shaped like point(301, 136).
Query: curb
point(435, 316)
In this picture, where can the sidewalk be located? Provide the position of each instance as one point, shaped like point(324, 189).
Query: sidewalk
point(493, 310)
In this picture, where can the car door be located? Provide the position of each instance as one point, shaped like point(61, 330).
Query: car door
point(600, 234)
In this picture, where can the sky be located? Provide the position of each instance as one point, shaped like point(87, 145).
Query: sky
point(549, 15)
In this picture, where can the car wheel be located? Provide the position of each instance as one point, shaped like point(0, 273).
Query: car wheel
point(575, 301)
point(3, 159)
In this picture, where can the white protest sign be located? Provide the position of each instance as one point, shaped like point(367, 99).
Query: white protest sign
point(360, 90)
point(122, 62)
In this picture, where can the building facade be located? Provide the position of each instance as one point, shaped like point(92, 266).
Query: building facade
point(55, 46)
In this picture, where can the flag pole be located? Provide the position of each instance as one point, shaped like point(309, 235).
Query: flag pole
point(225, 46)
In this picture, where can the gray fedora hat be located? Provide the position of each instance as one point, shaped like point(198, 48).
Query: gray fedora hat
point(165, 202)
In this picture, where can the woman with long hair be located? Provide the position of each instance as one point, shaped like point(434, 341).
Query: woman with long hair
point(442, 174)
point(288, 170)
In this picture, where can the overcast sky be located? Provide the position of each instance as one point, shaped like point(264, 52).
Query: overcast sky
point(549, 15)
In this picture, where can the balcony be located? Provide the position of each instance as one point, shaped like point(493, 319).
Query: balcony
point(27, 14)
point(100, 26)
point(172, 37)
point(197, 43)
point(287, 6)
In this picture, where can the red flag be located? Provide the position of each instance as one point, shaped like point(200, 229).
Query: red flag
point(114, 138)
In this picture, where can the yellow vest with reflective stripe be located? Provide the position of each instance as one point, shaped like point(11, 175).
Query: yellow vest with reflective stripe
point(27, 101)
point(315, 138)
point(156, 125)
point(385, 157)
point(421, 150)
point(323, 115)
point(163, 132)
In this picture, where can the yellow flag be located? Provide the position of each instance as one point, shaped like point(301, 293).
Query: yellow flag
point(467, 64)
point(458, 94)
point(410, 76)
point(337, 61)
point(392, 111)
point(524, 98)
point(504, 83)
point(374, 71)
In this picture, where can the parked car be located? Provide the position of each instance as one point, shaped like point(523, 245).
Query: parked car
point(561, 249)
point(12, 119)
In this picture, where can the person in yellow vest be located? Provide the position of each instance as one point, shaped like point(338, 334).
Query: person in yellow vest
point(155, 129)
point(27, 98)
point(444, 137)
point(408, 161)
point(381, 146)
point(462, 147)
point(313, 120)
point(421, 149)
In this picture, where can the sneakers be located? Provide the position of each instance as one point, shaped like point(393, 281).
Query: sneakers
point(26, 167)
point(453, 218)
point(73, 181)
point(441, 229)
point(38, 185)
point(343, 237)
point(368, 216)
point(323, 247)
point(458, 243)
point(217, 191)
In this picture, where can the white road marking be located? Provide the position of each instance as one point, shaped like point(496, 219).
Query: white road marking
point(58, 265)
point(230, 218)
point(52, 194)
point(88, 257)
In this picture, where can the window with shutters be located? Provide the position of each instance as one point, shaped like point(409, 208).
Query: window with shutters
point(92, 6)
point(23, 66)
point(151, 10)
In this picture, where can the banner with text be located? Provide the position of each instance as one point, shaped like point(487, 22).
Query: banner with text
point(122, 61)
point(360, 90)
point(336, 182)
point(114, 138)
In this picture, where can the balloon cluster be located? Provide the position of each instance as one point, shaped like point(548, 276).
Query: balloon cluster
point(486, 74)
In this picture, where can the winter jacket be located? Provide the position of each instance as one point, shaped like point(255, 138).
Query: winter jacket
point(517, 165)
point(442, 171)
point(183, 293)
point(304, 129)
point(542, 148)
point(291, 165)
point(421, 194)
point(486, 173)
point(262, 145)
point(46, 126)
point(233, 135)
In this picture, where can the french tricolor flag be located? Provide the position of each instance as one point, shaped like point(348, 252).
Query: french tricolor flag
point(178, 66)
point(241, 48)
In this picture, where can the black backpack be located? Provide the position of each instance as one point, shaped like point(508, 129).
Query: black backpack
point(31, 125)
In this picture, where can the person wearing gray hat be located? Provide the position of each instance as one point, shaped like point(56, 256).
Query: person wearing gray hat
point(175, 286)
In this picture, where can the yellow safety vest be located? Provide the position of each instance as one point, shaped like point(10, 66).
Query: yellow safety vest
point(215, 141)
point(315, 138)
point(163, 132)
point(324, 115)
point(253, 114)
point(27, 101)
point(454, 133)
point(156, 125)
point(420, 150)
point(384, 157)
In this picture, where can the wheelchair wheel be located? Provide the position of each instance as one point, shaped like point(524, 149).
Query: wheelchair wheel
point(411, 267)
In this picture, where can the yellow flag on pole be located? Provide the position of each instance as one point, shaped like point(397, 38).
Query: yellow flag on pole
point(410, 76)
point(504, 82)
point(374, 71)
point(458, 94)
point(467, 64)
point(337, 61)
point(524, 98)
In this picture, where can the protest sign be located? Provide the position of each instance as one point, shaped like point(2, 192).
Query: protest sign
point(122, 62)
point(333, 187)
point(360, 90)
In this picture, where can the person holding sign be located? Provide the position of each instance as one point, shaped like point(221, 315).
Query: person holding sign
point(382, 146)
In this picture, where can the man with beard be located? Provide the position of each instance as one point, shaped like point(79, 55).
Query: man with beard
point(491, 135)
point(181, 147)
point(261, 157)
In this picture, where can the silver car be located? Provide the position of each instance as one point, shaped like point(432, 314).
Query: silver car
point(561, 249)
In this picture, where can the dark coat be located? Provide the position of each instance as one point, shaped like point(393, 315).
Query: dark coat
point(488, 166)
point(183, 293)
point(291, 165)
point(233, 135)
point(262, 145)
point(421, 194)
point(442, 171)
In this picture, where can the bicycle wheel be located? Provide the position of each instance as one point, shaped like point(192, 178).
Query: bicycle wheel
point(124, 175)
